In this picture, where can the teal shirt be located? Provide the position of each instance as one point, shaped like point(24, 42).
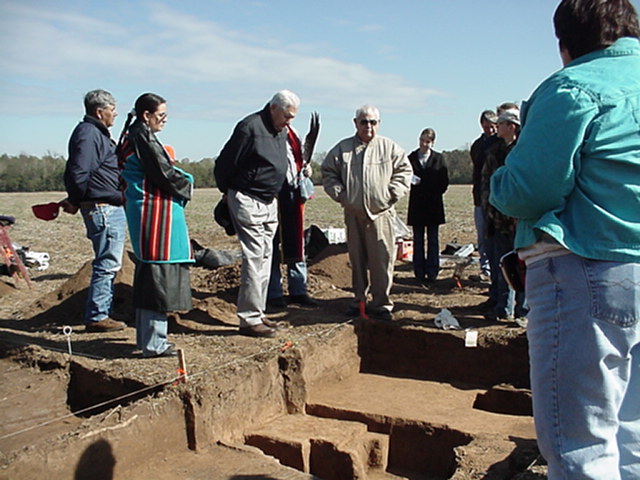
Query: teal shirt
point(575, 171)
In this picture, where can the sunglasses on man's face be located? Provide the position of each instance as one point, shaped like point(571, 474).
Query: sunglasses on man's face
point(364, 122)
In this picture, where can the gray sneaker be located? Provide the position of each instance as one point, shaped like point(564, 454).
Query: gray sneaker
point(522, 322)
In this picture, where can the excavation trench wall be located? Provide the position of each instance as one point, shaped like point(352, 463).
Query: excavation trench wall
point(215, 408)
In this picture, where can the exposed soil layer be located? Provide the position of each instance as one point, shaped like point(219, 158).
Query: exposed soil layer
point(331, 396)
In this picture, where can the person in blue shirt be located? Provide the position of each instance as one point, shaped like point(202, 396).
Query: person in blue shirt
point(92, 181)
point(573, 184)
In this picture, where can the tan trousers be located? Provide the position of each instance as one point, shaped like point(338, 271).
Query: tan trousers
point(371, 247)
point(256, 224)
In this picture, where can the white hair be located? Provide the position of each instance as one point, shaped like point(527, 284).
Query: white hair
point(285, 99)
point(367, 109)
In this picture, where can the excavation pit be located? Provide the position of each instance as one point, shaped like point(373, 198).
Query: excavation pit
point(330, 397)
point(334, 405)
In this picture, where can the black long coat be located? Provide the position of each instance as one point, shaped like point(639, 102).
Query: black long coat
point(426, 206)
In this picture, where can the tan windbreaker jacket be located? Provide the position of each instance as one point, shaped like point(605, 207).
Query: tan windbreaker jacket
point(383, 180)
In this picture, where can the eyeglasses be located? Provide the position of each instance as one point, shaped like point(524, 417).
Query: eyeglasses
point(364, 122)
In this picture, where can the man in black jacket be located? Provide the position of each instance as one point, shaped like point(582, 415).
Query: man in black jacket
point(250, 171)
point(92, 182)
point(478, 152)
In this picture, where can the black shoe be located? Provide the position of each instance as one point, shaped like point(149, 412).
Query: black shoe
point(487, 305)
point(384, 315)
point(352, 312)
point(304, 300)
point(259, 330)
point(277, 303)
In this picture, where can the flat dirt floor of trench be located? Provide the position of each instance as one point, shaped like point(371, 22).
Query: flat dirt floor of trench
point(331, 397)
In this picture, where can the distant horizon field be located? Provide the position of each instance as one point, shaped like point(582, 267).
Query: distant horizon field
point(57, 236)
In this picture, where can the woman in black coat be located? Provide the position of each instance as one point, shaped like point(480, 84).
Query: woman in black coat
point(426, 206)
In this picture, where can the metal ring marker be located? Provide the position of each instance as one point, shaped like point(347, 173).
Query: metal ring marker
point(67, 331)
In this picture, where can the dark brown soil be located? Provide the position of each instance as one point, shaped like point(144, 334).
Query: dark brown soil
point(34, 346)
point(104, 412)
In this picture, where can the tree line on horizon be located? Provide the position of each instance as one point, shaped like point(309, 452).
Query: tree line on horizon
point(28, 173)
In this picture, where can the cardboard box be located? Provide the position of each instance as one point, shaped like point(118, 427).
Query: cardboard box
point(335, 235)
point(404, 249)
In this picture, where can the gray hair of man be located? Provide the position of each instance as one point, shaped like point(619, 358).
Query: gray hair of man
point(367, 109)
point(96, 99)
point(285, 99)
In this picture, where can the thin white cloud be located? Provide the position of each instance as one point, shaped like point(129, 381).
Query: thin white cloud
point(371, 28)
point(187, 54)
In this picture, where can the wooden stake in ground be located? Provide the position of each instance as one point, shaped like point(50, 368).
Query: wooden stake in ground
point(182, 366)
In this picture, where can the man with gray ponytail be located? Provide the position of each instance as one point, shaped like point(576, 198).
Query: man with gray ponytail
point(92, 181)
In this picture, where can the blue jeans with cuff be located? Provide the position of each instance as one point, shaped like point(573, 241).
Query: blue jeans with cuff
point(151, 332)
point(106, 228)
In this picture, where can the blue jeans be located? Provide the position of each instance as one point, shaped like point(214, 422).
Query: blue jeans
point(106, 228)
point(508, 302)
point(296, 276)
point(481, 231)
point(151, 332)
point(584, 349)
point(428, 265)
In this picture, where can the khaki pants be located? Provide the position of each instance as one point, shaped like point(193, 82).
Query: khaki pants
point(371, 246)
point(256, 224)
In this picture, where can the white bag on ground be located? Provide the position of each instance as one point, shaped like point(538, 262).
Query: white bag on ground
point(446, 320)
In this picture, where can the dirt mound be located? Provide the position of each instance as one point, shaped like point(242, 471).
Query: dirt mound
point(66, 304)
point(332, 264)
point(214, 291)
point(6, 289)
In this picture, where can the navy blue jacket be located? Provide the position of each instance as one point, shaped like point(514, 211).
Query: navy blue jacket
point(92, 172)
point(254, 159)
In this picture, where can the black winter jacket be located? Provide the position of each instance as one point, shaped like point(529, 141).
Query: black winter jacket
point(91, 173)
point(478, 152)
point(426, 206)
point(254, 159)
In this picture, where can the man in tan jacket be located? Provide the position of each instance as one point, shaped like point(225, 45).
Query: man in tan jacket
point(367, 174)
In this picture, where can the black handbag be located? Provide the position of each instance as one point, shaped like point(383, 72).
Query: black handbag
point(222, 216)
point(514, 270)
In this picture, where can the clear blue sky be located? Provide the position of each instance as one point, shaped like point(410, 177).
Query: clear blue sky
point(423, 63)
